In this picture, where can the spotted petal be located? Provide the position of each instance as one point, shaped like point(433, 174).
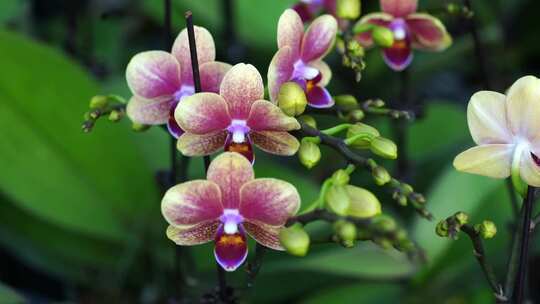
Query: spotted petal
point(149, 111)
point(193, 235)
point(523, 107)
point(428, 32)
point(153, 74)
point(265, 235)
point(489, 160)
point(290, 31)
point(198, 145)
point(379, 19)
point(202, 113)
point(268, 200)
point(399, 8)
point(240, 87)
point(230, 171)
point(280, 71)
point(206, 51)
point(319, 38)
point(486, 115)
point(212, 74)
point(265, 116)
point(192, 203)
point(275, 142)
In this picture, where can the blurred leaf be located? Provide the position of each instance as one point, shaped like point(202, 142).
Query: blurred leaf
point(356, 294)
point(10, 9)
point(92, 183)
point(9, 296)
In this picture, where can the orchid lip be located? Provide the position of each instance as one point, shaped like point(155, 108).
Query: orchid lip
point(183, 92)
point(238, 128)
point(304, 71)
point(399, 29)
point(536, 159)
point(231, 218)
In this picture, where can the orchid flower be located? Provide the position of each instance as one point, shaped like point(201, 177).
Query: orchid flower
point(299, 57)
point(235, 118)
point(411, 30)
point(308, 9)
point(160, 80)
point(507, 132)
point(228, 204)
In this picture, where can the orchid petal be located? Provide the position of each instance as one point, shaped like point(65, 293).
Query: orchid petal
point(240, 87)
point(319, 97)
point(231, 249)
point(230, 171)
point(280, 71)
point(193, 235)
point(379, 19)
point(202, 113)
point(529, 170)
point(153, 74)
point(266, 116)
point(173, 128)
point(149, 111)
point(275, 142)
point(206, 51)
point(319, 38)
point(324, 70)
point(212, 74)
point(428, 32)
point(191, 203)
point(486, 115)
point(399, 8)
point(398, 58)
point(492, 160)
point(290, 31)
point(265, 235)
point(198, 145)
point(268, 200)
point(523, 107)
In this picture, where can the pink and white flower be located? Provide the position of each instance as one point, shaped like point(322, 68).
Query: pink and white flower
point(299, 57)
point(226, 206)
point(411, 30)
point(160, 80)
point(234, 119)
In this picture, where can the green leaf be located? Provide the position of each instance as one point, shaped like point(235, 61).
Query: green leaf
point(356, 293)
point(9, 296)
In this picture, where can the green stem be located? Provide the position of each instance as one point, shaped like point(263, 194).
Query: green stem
point(336, 129)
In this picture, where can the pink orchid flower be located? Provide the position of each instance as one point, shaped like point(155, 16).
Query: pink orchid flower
point(308, 9)
point(299, 57)
point(235, 118)
point(411, 30)
point(160, 80)
point(228, 204)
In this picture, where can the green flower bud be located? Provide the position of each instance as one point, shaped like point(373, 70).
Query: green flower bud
point(341, 177)
point(378, 103)
point(382, 36)
point(346, 232)
point(383, 147)
point(295, 240)
point(137, 127)
point(346, 102)
point(381, 176)
point(487, 229)
point(309, 153)
point(385, 223)
point(116, 115)
point(461, 218)
point(362, 129)
point(348, 9)
point(355, 48)
point(309, 120)
point(442, 229)
point(363, 204)
point(292, 99)
point(338, 200)
point(99, 102)
point(356, 115)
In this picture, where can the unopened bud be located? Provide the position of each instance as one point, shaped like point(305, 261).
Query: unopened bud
point(381, 175)
point(137, 127)
point(442, 229)
point(355, 48)
point(383, 147)
point(383, 36)
point(378, 103)
point(295, 240)
point(309, 153)
point(99, 102)
point(116, 115)
point(362, 129)
point(348, 9)
point(363, 204)
point(356, 115)
point(487, 229)
point(341, 177)
point(338, 200)
point(308, 120)
point(346, 102)
point(346, 232)
point(461, 218)
point(292, 99)
point(385, 223)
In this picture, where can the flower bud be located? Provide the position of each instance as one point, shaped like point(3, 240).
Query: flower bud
point(356, 115)
point(116, 115)
point(309, 153)
point(383, 147)
point(346, 102)
point(137, 127)
point(338, 200)
point(363, 204)
point(355, 48)
point(346, 232)
point(442, 229)
point(292, 99)
point(99, 102)
point(461, 218)
point(362, 129)
point(385, 223)
point(295, 240)
point(341, 177)
point(348, 9)
point(382, 36)
point(380, 175)
point(309, 120)
point(378, 103)
point(487, 229)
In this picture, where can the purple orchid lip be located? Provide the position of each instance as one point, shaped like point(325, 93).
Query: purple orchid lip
point(183, 92)
point(231, 218)
point(304, 71)
point(172, 125)
point(239, 129)
point(231, 244)
point(536, 159)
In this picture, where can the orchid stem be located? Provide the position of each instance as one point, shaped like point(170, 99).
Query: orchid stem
point(401, 128)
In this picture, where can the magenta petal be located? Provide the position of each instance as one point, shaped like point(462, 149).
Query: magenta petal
point(399, 8)
point(303, 11)
point(231, 249)
point(153, 74)
point(280, 70)
point(398, 58)
point(319, 97)
point(319, 38)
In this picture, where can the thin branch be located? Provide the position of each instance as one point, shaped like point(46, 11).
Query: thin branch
point(535, 221)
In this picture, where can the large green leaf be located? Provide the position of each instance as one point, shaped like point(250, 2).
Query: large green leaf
point(98, 183)
point(9, 296)
point(356, 294)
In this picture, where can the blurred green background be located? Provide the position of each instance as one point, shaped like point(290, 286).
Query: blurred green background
point(79, 213)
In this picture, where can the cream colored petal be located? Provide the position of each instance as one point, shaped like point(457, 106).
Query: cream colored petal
point(486, 115)
point(529, 170)
point(325, 70)
point(523, 106)
point(488, 160)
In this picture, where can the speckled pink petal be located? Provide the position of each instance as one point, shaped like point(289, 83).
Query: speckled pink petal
point(193, 235)
point(265, 235)
point(212, 74)
point(206, 51)
point(231, 249)
point(230, 171)
point(240, 87)
point(198, 145)
point(380, 19)
point(290, 31)
point(428, 33)
point(399, 8)
point(191, 203)
point(265, 116)
point(149, 111)
point(202, 113)
point(319, 38)
point(268, 200)
point(280, 71)
point(275, 142)
point(153, 74)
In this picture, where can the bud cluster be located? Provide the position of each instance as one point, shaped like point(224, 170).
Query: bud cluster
point(451, 226)
point(112, 106)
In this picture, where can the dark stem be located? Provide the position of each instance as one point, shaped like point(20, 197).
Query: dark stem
point(536, 221)
point(524, 248)
point(401, 127)
point(255, 265)
point(478, 48)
